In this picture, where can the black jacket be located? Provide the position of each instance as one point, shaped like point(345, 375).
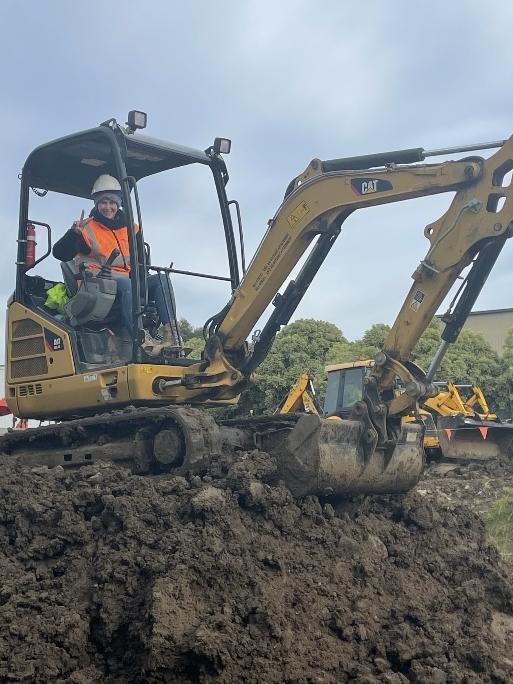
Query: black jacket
point(70, 244)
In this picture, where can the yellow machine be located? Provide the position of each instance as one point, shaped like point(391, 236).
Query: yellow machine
point(343, 395)
point(301, 398)
point(62, 367)
point(462, 430)
point(477, 399)
point(450, 400)
point(452, 428)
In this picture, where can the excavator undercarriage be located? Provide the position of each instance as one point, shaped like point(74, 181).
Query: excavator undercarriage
point(312, 455)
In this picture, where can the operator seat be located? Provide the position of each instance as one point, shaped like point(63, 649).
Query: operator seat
point(92, 301)
point(68, 275)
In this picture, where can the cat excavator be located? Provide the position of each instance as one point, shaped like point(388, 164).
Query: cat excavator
point(114, 402)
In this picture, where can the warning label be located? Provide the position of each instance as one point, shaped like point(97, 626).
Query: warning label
point(417, 300)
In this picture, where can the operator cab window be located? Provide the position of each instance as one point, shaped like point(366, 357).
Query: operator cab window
point(344, 389)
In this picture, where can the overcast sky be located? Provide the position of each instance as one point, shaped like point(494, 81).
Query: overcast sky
point(286, 81)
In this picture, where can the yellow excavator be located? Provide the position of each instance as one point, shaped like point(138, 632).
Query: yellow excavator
point(301, 398)
point(453, 428)
point(113, 402)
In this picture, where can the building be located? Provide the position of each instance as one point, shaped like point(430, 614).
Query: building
point(493, 325)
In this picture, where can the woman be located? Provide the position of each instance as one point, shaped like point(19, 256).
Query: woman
point(90, 241)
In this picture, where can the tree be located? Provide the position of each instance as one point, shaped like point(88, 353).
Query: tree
point(301, 347)
point(375, 335)
point(360, 350)
point(187, 330)
point(507, 349)
point(196, 344)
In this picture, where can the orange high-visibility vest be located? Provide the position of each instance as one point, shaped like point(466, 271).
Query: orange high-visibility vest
point(102, 241)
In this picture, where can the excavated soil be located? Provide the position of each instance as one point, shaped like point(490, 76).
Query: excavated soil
point(111, 577)
point(477, 485)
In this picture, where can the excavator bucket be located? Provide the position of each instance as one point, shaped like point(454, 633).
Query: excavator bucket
point(463, 438)
point(321, 456)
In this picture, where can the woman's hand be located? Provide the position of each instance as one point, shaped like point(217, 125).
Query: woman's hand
point(78, 225)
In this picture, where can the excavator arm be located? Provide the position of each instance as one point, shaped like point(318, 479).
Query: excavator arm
point(317, 202)
point(316, 207)
point(471, 233)
point(301, 398)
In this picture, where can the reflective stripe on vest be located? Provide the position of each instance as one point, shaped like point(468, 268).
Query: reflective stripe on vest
point(102, 241)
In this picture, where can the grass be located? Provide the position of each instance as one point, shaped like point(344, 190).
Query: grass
point(499, 524)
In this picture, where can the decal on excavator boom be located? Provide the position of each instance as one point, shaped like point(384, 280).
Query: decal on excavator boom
point(366, 186)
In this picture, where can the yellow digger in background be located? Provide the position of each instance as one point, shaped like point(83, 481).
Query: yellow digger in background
point(301, 398)
point(463, 431)
point(453, 429)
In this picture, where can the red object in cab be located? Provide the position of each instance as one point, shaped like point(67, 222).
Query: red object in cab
point(30, 247)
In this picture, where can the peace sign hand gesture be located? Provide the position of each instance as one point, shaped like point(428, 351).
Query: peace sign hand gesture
point(78, 225)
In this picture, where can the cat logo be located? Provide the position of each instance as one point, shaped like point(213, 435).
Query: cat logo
point(367, 186)
point(54, 343)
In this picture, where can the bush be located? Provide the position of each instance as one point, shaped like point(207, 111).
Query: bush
point(499, 523)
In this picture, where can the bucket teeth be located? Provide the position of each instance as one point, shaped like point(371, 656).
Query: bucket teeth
point(466, 439)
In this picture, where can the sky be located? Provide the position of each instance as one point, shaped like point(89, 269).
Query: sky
point(286, 82)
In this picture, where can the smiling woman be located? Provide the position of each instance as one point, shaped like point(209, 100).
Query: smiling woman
point(101, 243)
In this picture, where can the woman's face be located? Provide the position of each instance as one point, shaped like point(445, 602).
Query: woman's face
point(107, 208)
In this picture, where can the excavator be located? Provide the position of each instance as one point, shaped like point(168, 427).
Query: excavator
point(114, 402)
point(301, 398)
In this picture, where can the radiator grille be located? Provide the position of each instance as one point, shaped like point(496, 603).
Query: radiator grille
point(27, 367)
point(26, 327)
point(30, 390)
point(30, 347)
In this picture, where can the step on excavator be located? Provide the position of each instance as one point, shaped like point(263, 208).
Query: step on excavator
point(112, 401)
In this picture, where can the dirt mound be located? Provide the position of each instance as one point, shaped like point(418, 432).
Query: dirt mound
point(475, 484)
point(109, 577)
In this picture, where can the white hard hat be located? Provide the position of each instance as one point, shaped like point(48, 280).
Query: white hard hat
point(105, 183)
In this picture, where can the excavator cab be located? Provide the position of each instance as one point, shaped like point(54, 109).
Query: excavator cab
point(345, 386)
point(85, 334)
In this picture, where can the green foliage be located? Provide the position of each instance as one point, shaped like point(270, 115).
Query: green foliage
point(301, 347)
point(187, 330)
point(499, 523)
point(197, 344)
point(375, 336)
point(308, 345)
point(507, 350)
point(470, 360)
point(366, 348)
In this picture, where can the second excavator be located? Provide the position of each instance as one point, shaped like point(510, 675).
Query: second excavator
point(116, 402)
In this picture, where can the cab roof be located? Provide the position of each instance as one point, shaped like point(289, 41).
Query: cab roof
point(70, 165)
point(366, 363)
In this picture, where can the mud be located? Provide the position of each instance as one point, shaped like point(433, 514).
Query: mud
point(477, 485)
point(110, 577)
